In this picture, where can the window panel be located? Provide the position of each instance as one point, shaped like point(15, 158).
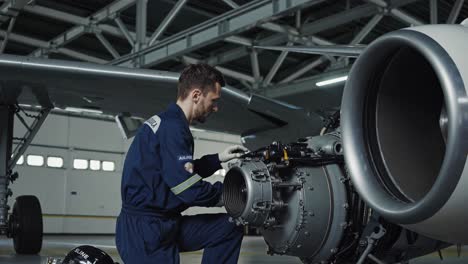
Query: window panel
point(55, 162)
point(108, 166)
point(80, 164)
point(35, 160)
point(95, 165)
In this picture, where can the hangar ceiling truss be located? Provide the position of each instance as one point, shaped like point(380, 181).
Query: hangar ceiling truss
point(168, 34)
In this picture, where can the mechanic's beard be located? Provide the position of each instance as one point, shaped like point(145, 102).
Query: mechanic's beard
point(200, 116)
point(201, 119)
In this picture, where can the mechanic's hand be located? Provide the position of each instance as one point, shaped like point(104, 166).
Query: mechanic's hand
point(232, 152)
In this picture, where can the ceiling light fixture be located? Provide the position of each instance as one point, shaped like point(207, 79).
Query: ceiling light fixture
point(332, 81)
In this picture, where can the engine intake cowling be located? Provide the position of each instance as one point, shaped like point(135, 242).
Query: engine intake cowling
point(405, 126)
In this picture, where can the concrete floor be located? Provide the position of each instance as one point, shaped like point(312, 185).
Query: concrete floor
point(253, 251)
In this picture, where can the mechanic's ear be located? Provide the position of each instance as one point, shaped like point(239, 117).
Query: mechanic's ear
point(196, 94)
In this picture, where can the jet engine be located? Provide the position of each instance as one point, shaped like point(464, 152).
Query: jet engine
point(296, 194)
point(405, 129)
point(394, 181)
point(301, 199)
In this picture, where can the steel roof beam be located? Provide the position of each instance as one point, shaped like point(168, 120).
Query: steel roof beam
point(120, 31)
point(276, 66)
point(398, 14)
point(433, 8)
point(167, 20)
point(303, 69)
point(73, 19)
point(255, 65)
point(323, 24)
point(218, 28)
point(339, 19)
point(141, 24)
point(312, 28)
point(301, 86)
point(7, 35)
point(286, 29)
point(10, 9)
point(366, 29)
point(242, 77)
point(405, 17)
point(239, 41)
point(231, 3)
point(455, 12)
point(94, 19)
point(56, 14)
point(123, 28)
point(45, 45)
point(316, 62)
point(107, 45)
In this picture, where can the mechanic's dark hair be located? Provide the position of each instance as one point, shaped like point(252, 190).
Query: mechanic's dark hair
point(201, 76)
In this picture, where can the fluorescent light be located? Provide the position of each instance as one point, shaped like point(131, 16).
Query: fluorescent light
point(331, 81)
point(80, 110)
point(30, 106)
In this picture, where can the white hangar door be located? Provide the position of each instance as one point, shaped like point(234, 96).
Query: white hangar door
point(93, 192)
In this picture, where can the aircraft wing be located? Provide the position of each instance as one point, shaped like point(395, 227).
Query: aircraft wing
point(113, 90)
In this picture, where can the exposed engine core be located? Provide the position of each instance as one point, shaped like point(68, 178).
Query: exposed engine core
point(302, 201)
point(295, 194)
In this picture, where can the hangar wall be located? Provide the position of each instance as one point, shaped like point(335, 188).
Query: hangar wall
point(87, 200)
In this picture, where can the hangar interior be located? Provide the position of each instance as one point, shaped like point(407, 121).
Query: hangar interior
point(74, 164)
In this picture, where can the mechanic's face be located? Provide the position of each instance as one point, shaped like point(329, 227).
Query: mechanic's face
point(207, 104)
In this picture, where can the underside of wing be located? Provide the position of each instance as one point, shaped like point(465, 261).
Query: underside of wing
point(112, 90)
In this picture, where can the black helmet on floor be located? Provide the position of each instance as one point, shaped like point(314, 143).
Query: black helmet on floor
point(87, 255)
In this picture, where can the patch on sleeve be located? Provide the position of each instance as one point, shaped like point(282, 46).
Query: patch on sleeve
point(185, 157)
point(154, 122)
point(188, 166)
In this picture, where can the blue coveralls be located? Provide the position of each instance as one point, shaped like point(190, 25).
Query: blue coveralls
point(161, 179)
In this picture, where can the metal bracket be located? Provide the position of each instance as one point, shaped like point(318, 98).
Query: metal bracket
point(92, 28)
point(261, 206)
point(259, 175)
point(31, 132)
point(371, 242)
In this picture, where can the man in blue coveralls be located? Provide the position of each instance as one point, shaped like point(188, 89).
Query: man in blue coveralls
point(161, 179)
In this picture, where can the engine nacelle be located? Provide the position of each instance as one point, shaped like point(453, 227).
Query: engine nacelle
point(405, 129)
